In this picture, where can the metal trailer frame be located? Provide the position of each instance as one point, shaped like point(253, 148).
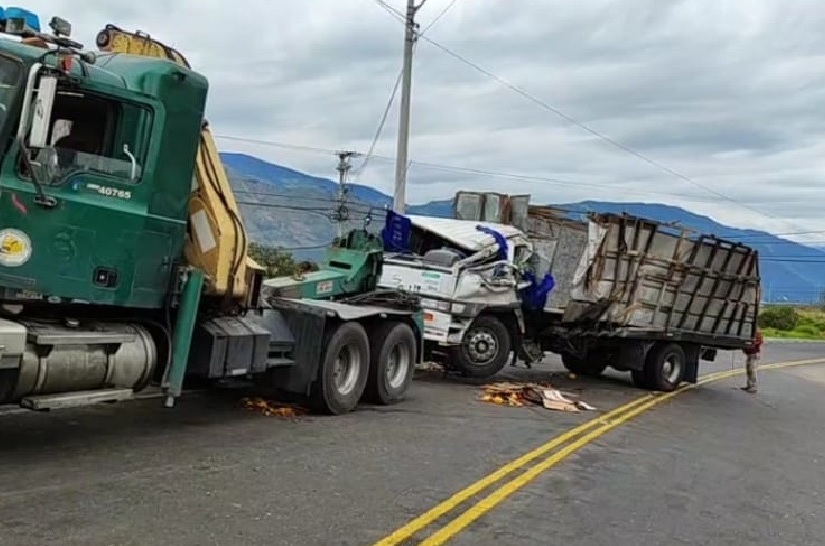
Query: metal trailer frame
point(642, 287)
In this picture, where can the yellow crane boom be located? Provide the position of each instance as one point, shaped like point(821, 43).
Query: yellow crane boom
point(218, 240)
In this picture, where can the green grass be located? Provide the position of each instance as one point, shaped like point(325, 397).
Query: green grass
point(810, 326)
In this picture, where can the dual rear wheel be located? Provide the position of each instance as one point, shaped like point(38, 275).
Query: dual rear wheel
point(378, 367)
point(664, 367)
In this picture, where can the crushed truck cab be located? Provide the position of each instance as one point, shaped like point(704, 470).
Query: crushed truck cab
point(467, 276)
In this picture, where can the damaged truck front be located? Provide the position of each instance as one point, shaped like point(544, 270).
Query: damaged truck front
point(613, 291)
point(469, 276)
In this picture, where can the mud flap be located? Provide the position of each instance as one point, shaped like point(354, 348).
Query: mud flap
point(692, 354)
point(529, 351)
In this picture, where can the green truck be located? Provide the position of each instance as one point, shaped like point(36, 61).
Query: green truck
point(123, 257)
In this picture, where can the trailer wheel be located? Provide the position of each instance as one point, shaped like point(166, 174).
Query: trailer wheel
point(665, 367)
point(591, 367)
point(392, 363)
point(485, 348)
point(342, 376)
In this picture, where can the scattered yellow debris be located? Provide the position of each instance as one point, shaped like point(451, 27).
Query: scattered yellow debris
point(270, 408)
point(534, 394)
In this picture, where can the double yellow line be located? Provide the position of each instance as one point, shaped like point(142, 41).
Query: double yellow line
point(572, 440)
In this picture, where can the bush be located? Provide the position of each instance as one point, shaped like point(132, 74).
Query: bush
point(808, 330)
point(782, 318)
point(276, 261)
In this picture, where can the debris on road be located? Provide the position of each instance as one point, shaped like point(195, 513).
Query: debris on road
point(511, 394)
point(430, 367)
point(270, 408)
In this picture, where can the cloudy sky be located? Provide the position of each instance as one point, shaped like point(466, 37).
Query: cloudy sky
point(729, 93)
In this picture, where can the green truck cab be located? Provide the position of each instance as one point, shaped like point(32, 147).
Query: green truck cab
point(104, 225)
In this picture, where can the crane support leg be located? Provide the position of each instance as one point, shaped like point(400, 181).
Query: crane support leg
point(182, 336)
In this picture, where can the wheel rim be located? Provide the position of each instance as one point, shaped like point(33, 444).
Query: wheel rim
point(672, 368)
point(482, 346)
point(346, 370)
point(398, 364)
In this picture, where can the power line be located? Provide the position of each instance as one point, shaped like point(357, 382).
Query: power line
point(295, 248)
point(367, 209)
point(381, 124)
point(465, 170)
point(577, 123)
point(543, 180)
point(792, 260)
point(331, 201)
point(363, 208)
point(391, 100)
point(392, 11)
point(435, 19)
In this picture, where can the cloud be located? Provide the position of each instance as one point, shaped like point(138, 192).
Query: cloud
point(728, 93)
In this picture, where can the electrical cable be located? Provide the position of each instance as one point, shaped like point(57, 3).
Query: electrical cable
point(394, 92)
point(380, 128)
point(542, 180)
point(435, 19)
point(574, 121)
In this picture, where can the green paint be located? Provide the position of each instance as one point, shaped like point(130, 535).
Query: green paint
point(187, 314)
point(350, 267)
point(430, 275)
point(103, 219)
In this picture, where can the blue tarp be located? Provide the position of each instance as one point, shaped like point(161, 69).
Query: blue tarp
point(396, 233)
point(534, 296)
point(501, 240)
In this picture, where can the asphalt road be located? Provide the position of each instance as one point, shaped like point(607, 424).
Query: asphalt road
point(711, 466)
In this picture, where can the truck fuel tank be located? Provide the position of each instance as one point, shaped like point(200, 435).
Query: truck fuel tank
point(46, 358)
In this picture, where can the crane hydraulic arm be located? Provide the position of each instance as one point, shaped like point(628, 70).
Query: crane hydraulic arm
point(217, 241)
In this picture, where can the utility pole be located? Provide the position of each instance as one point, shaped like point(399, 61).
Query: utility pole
point(341, 214)
point(410, 31)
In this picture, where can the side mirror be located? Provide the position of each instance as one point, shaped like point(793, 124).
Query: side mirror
point(36, 113)
point(42, 115)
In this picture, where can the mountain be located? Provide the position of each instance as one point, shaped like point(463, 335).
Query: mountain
point(287, 208)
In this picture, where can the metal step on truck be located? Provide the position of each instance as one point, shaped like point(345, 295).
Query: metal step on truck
point(611, 291)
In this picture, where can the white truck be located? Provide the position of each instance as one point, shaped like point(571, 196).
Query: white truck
point(469, 288)
point(614, 290)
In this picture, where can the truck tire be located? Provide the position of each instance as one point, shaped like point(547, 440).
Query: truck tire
point(665, 367)
point(485, 348)
point(592, 367)
point(342, 376)
point(392, 363)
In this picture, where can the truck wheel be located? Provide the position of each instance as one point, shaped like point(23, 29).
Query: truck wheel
point(392, 363)
point(665, 367)
point(592, 367)
point(342, 376)
point(485, 348)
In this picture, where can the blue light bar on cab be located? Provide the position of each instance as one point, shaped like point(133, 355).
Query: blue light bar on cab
point(19, 20)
